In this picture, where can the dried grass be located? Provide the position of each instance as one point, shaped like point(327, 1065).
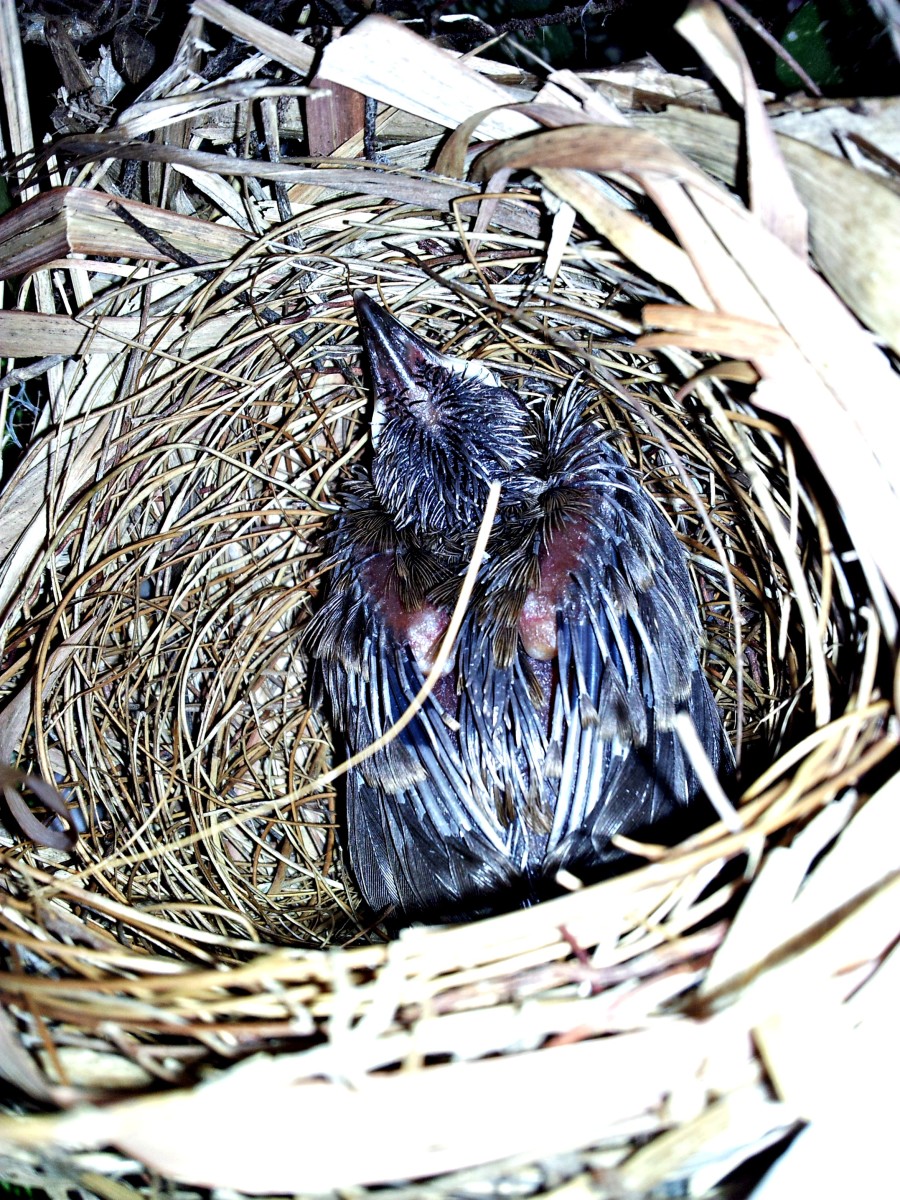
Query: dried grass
point(161, 548)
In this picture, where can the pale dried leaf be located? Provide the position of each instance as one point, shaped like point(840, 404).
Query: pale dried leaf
point(642, 85)
point(381, 58)
point(859, 258)
point(77, 221)
point(27, 334)
point(833, 128)
point(638, 241)
point(837, 371)
point(16, 1064)
point(707, 1148)
point(281, 47)
point(268, 1126)
point(15, 85)
point(772, 195)
point(736, 337)
point(851, 1155)
point(94, 1070)
point(436, 87)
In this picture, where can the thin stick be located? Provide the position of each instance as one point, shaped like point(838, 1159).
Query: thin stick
point(459, 612)
point(774, 45)
point(703, 769)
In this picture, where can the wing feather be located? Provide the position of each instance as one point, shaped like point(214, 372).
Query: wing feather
point(629, 636)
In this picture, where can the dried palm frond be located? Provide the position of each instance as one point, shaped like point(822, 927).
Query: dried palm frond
point(191, 985)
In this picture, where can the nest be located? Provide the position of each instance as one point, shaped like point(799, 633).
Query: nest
point(190, 983)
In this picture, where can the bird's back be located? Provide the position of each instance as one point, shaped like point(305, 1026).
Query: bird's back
point(554, 728)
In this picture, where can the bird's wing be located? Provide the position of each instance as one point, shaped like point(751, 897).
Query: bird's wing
point(420, 837)
point(628, 638)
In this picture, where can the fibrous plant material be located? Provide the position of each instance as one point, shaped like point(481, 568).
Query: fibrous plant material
point(162, 552)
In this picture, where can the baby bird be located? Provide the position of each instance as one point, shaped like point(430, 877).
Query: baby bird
point(551, 730)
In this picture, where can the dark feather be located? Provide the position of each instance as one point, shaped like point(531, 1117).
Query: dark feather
point(553, 729)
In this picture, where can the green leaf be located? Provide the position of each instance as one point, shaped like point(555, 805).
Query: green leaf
point(806, 39)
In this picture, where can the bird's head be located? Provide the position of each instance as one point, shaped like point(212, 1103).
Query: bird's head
point(442, 429)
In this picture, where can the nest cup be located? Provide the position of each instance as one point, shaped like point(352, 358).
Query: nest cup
point(155, 672)
point(171, 695)
point(170, 691)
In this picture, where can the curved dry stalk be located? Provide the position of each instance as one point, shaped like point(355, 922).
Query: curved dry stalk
point(163, 548)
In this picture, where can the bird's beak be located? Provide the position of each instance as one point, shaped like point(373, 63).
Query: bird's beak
point(395, 355)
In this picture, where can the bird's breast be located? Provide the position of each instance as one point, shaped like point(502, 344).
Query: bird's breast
point(562, 557)
point(421, 627)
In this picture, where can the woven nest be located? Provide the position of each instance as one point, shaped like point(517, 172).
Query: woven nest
point(165, 554)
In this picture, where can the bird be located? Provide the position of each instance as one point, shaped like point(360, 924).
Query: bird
point(552, 727)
